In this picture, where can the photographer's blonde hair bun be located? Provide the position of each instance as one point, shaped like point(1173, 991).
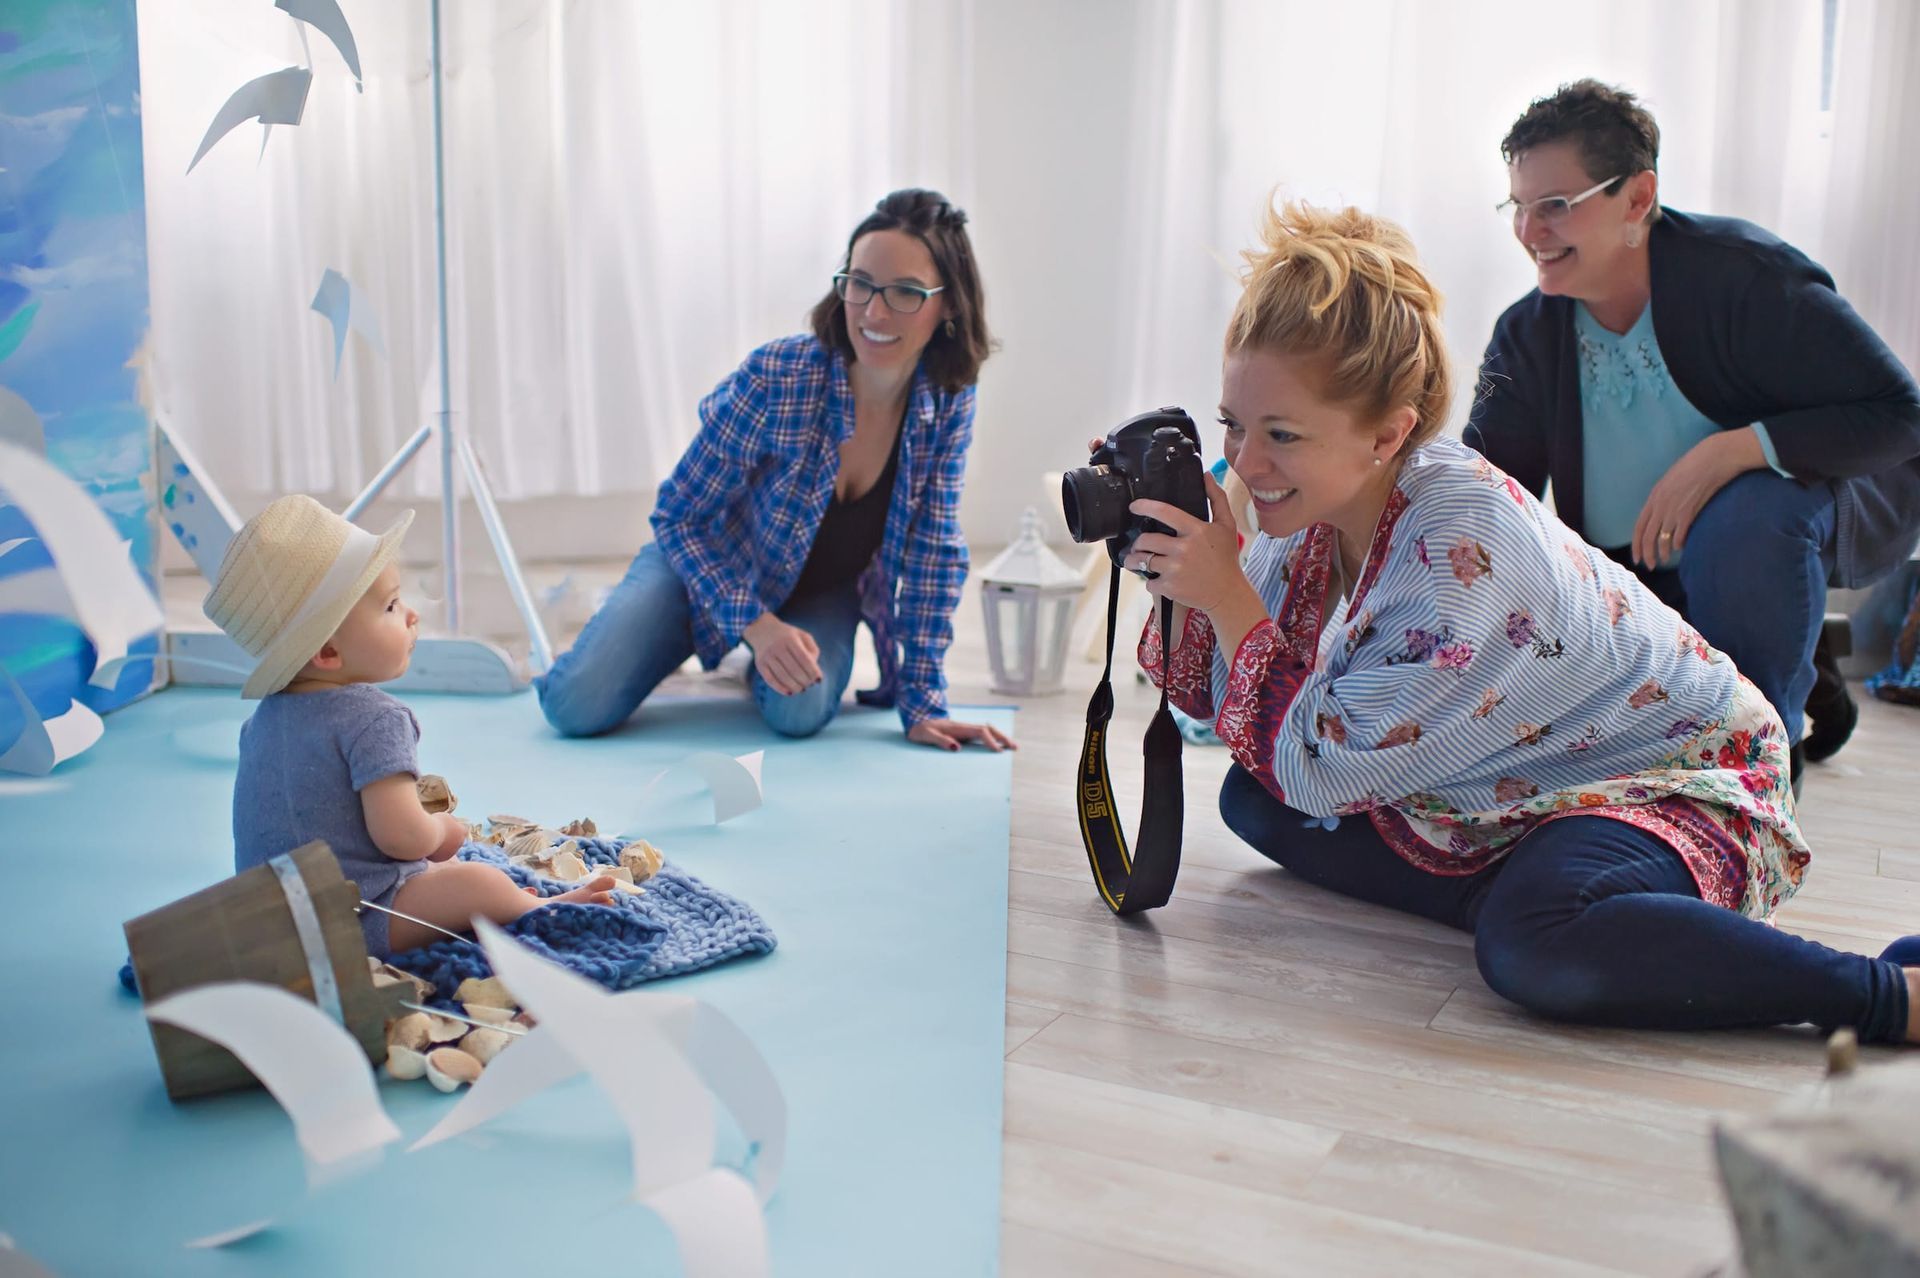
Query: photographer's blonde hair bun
point(1346, 287)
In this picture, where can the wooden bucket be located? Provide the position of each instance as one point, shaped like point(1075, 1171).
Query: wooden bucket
point(245, 929)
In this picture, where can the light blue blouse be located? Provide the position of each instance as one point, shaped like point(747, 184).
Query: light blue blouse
point(1635, 423)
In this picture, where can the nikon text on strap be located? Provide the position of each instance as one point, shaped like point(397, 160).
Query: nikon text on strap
point(1144, 880)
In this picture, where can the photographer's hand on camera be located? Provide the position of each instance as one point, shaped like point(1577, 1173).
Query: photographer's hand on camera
point(786, 656)
point(1198, 567)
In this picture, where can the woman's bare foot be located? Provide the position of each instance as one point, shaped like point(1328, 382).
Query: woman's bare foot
point(598, 890)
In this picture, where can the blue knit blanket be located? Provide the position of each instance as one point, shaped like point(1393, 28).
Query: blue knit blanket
point(677, 925)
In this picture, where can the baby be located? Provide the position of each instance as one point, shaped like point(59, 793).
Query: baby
point(329, 756)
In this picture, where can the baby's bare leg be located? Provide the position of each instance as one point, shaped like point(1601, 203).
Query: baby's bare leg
point(452, 894)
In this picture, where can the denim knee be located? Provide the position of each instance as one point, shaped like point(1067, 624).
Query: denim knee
point(1521, 964)
point(803, 714)
point(1249, 810)
point(570, 714)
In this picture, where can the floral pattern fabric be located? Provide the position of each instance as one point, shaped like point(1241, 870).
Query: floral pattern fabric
point(1492, 673)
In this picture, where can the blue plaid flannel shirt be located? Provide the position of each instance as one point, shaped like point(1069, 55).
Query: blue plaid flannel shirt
point(739, 513)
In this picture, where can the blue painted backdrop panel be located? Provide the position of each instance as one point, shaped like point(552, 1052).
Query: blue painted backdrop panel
point(73, 307)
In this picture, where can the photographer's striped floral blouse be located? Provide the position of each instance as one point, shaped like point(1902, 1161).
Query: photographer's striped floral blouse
point(1493, 672)
point(739, 513)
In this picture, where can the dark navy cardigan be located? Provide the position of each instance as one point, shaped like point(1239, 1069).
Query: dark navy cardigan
point(1751, 330)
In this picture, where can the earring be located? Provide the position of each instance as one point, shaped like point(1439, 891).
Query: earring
point(1379, 461)
point(949, 329)
point(1633, 237)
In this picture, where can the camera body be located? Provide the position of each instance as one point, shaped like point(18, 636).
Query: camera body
point(1155, 455)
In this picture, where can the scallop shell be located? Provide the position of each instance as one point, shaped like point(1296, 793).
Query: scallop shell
point(412, 1031)
point(568, 868)
point(485, 1044)
point(404, 1063)
point(448, 1067)
point(489, 992)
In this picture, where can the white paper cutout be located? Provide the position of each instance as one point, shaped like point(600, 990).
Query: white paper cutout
point(19, 424)
point(8, 547)
point(44, 744)
point(734, 781)
point(109, 600)
point(726, 1059)
point(335, 300)
point(627, 1045)
point(524, 1069)
point(705, 1215)
point(226, 1237)
point(311, 1064)
point(325, 17)
point(279, 97)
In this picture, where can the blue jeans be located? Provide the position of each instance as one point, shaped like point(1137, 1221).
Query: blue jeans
point(1593, 921)
point(1753, 582)
point(644, 632)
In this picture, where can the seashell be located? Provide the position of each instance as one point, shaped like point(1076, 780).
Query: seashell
point(412, 1031)
point(621, 885)
point(530, 846)
point(435, 795)
point(485, 1044)
point(487, 993)
point(448, 1067)
point(568, 868)
point(584, 828)
point(387, 974)
point(517, 822)
point(566, 846)
point(642, 858)
point(404, 1063)
point(444, 1029)
point(620, 872)
point(490, 1015)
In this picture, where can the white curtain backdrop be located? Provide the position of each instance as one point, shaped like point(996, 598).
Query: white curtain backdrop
point(637, 194)
point(1399, 106)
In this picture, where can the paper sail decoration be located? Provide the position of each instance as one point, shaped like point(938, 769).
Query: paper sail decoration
point(325, 17)
point(279, 97)
point(335, 300)
point(93, 583)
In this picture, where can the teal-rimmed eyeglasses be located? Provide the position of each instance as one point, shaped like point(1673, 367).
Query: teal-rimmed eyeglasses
point(858, 290)
point(1551, 208)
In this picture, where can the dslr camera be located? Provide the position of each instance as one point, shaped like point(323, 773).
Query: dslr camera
point(1155, 455)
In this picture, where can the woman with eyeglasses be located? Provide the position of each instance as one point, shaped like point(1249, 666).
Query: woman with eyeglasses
point(823, 489)
point(1710, 410)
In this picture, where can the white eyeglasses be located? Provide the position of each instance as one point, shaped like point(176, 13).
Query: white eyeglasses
point(1551, 208)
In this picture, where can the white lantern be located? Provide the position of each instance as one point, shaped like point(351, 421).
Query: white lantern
point(1029, 597)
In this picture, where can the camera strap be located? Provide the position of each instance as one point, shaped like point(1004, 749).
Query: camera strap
point(1144, 879)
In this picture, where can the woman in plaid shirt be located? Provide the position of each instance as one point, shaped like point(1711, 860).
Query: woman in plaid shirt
point(822, 490)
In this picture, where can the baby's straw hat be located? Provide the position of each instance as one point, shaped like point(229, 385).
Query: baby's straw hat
point(287, 581)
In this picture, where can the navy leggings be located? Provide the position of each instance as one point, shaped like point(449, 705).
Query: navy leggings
point(1594, 921)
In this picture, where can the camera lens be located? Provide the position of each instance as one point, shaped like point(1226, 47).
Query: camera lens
point(1095, 499)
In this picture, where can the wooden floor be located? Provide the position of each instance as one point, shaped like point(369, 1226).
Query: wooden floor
point(1265, 1078)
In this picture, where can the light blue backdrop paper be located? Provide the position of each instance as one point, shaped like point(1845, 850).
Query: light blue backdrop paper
point(881, 867)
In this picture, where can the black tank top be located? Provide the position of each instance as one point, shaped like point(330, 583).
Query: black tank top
point(850, 533)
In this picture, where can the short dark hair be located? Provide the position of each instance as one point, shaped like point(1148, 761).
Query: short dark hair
point(953, 362)
point(1614, 134)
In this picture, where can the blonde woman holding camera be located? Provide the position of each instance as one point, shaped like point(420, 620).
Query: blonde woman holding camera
point(1442, 700)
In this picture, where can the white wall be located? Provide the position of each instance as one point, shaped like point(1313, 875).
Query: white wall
point(1053, 93)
